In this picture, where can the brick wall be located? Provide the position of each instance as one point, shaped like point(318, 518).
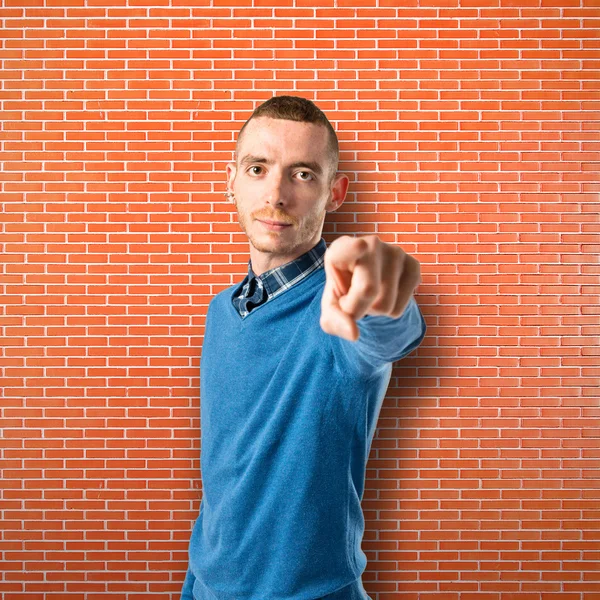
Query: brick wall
point(470, 134)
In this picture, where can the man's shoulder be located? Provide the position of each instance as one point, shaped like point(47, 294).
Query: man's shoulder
point(224, 295)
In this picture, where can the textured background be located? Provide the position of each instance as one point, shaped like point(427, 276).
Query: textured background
point(470, 134)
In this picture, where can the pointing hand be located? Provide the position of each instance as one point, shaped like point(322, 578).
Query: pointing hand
point(365, 276)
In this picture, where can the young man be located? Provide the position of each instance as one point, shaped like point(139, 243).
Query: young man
point(295, 364)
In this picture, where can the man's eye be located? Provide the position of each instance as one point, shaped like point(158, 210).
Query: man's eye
point(255, 167)
point(306, 173)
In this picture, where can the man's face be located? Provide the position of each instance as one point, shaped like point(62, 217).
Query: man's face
point(283, 188)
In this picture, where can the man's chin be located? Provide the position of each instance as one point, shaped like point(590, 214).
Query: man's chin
point(273, 247)
point(273, 244)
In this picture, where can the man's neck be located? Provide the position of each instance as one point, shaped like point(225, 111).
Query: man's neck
point(261, 262)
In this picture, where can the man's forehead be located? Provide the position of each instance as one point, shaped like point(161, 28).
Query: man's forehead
point(258, 143)
point(265, 130)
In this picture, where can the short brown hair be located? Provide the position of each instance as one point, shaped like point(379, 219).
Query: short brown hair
point(295, 108)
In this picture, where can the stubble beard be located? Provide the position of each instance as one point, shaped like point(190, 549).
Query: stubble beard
point(274, 242)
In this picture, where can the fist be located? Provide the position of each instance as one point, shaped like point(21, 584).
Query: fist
point(363, 276)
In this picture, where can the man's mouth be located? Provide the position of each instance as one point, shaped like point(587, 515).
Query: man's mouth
point(274, 225)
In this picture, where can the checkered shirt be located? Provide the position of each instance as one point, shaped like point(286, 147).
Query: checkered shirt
point(265, 287)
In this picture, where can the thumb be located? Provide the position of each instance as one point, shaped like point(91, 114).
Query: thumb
point(333, 319)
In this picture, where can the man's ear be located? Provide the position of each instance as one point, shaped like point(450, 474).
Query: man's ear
point(339, 188)
point(231, 170)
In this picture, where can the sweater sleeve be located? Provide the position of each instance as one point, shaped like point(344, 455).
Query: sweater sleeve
point(384, 340)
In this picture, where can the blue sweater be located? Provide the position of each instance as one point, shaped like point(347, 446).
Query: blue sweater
point(288, 414)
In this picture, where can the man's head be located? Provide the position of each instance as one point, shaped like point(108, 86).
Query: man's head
point(295, 108)
point(285, 179)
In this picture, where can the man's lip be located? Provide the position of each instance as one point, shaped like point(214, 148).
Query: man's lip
point(269, 222)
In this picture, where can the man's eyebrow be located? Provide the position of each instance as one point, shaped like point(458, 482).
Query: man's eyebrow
point(312, 165)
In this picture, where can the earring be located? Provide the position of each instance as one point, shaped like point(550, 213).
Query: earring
point(229, 195)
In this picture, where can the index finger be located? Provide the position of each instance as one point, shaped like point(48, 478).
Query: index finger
point(358, 262)
point(333, 319)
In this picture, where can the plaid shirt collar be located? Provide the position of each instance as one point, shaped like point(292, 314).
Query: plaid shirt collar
point(259, 290)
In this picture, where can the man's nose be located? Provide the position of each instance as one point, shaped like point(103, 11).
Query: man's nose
point(276, 194)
